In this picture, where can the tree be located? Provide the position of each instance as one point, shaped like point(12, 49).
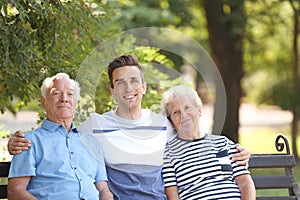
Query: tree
point(40, 38)
point(226, 24)
point(296, 79)
point(272, 62)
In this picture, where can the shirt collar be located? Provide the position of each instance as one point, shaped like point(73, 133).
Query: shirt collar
point(52, 126)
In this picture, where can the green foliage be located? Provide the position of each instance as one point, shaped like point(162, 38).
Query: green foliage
point(133, 14)
point(270, 89)
point(268, 49)
point(40, 38)
point(4, 133)
point(183, 16)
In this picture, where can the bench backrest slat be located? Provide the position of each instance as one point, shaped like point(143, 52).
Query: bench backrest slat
point(276, 198)
point(286, 162)
point(267, 182)
point(272, 161)
point(3, 191)
point(4, 170)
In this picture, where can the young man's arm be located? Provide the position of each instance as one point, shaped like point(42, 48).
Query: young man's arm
point(18, 143)
point(104, 192)
point(17, 189)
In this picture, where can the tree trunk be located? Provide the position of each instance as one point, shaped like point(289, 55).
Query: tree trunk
point(296, 82)
point(226, 25)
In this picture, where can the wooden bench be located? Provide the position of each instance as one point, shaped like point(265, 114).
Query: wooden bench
point(4, 170)
point(285, 161)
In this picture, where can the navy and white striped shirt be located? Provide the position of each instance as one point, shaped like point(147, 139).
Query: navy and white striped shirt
point(202, 168)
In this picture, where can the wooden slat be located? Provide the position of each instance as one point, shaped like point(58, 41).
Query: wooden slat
point(272, 161)
point(4, 169)
point(272, 182)
point(3, 192)
point(276, 198)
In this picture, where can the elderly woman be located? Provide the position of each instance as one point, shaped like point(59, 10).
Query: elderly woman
point(198, 165)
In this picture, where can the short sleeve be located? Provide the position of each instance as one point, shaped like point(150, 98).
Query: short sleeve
point(168, 172)
point(23, 164)
point(237, 169)
point(101, 172)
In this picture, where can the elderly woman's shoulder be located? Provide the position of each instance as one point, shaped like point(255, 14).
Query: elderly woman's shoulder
point(215, 137)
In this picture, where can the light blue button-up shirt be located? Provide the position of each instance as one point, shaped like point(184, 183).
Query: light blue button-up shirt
point(60, 165)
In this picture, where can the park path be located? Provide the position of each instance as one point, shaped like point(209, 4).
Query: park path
point(251, 117)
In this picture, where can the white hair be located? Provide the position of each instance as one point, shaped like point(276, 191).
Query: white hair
point(47, 82)
point(177, 92)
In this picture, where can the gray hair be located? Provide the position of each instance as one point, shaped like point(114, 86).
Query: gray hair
point(47, 82)
point(177, 92)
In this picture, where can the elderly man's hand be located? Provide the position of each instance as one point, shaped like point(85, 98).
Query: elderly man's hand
point(18, 143)
point(242, 157)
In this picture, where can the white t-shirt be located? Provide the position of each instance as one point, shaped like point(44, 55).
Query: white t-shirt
point(133, 152)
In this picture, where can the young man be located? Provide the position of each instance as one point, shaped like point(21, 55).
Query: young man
point(132, 138)
point(57, 166)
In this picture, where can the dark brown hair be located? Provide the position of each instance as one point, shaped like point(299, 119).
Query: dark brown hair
point(125, 60)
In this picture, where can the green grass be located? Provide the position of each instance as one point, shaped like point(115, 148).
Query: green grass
point(262, 140)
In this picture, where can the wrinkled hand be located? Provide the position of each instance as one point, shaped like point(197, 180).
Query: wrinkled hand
point(242, 157)
point(18, 143)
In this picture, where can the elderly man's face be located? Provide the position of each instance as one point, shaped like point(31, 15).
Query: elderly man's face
point(60, 102)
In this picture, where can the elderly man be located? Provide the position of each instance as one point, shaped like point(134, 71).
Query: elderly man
point(57, 166)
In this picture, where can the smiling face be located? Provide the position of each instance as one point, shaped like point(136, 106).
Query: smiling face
point(60, 101)
point(129, 88)
point(184, 115)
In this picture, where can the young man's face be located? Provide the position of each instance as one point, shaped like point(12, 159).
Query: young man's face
point(128, 87)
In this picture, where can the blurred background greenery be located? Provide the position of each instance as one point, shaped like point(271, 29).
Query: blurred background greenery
point(254, 44)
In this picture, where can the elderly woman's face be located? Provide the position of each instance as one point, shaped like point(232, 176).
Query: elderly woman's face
point(184, 114)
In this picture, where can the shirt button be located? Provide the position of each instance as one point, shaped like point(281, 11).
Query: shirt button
point(72, 152)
